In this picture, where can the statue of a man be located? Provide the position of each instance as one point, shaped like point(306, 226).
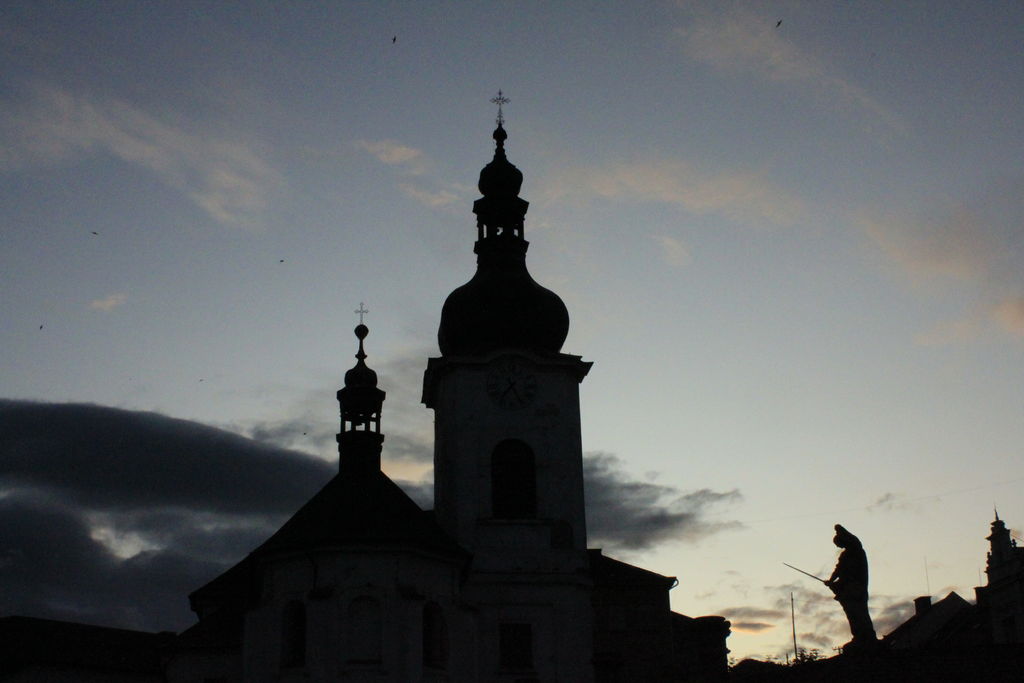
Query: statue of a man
point(849, 582)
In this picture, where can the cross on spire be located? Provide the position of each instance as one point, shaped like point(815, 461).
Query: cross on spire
point(362, 310)
point(500, 100)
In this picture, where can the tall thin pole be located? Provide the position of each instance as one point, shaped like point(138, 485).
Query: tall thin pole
point(792, 616)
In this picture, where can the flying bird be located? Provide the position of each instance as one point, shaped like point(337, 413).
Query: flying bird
point(778, 23)
point(40, 327)
point(393, 39)
point(281, 261)
point(94, 232)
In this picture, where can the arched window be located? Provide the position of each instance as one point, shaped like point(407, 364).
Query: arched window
point(513, 481)
point(293, 635)
point(364, 630)
point(435, 637)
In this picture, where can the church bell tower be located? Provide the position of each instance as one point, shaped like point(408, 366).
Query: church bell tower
point(508, 470)
point(508, 452)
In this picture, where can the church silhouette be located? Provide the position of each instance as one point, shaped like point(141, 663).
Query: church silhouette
point(496, 583)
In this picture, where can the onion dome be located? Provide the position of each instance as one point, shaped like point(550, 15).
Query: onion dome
point(500, 178)
point(501, 306)
point(361, 376)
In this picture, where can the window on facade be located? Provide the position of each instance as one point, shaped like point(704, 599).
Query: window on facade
point(515, 646)
point(513, 481)
point(435, 637)
point(364, 629)
point(293, 634)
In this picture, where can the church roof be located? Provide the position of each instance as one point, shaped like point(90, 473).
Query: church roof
point(610, 572)
point(948, 621)
point(355, 509)
point(365, 509)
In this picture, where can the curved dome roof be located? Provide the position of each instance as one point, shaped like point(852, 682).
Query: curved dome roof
point(499, 308)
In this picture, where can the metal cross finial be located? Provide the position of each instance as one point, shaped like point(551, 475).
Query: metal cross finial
point(500, 100)
point(362, 310)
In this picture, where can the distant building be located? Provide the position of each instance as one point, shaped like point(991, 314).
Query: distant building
point(1001, 600)
point(950, 620)
point(496, 583)
point(995, 619)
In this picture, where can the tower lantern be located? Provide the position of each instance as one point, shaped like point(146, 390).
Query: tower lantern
point(360, 440)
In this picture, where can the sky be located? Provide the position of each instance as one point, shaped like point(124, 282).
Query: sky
point(792, 250)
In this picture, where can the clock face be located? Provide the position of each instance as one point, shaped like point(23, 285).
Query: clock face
point(510, 384)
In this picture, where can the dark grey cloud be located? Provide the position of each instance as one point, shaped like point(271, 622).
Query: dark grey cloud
point(293, 433)
point(752, 613)
point(405, 448)
point(112, 516)
point(110, 459)
point(50, 566)
point(631, 515)
point(750, 626)
point(814, 641)
point(896, 502)
point(752, 619)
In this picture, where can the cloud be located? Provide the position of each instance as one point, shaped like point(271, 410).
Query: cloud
point(49, 125)
point(960, 330)
point(116, 460)
point(673, 251)
point(1009, 313)
point(751, 619)
point(114, 516)
point(740, 40)
point(750, 626)
point(974, 246)
point(814, 641)
point(393, 153)
point(742, 195)
point(954, 245)
point(438, 198)
point(50, 566)
point(752, 613)
point(300, 431)
point(893, 502)
point(108, 303)
point(410, 161)
point(630, 515)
